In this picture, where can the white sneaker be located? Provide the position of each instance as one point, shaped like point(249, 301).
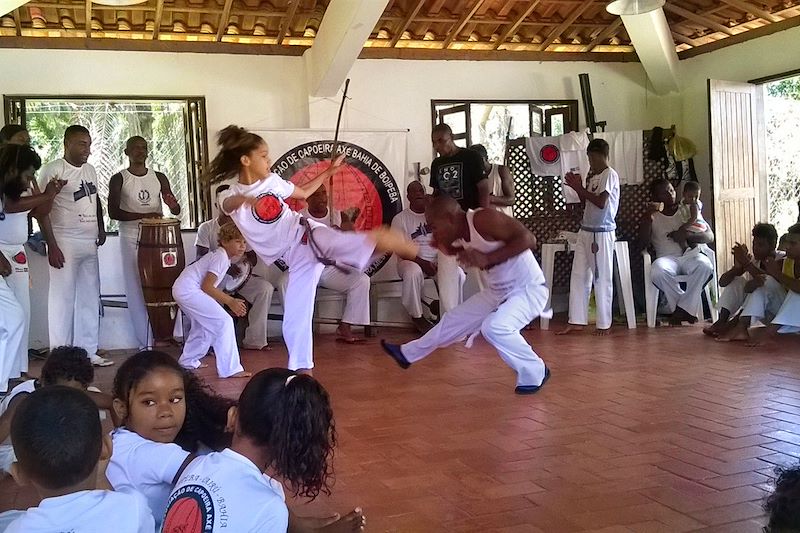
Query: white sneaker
point(99, 361)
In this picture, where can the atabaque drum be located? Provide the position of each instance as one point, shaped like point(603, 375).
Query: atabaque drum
point(161, 260)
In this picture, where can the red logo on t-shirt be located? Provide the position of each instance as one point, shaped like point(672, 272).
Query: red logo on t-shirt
point(190, 510)
point(549, 154)
point(20, 258)
point(267, 208)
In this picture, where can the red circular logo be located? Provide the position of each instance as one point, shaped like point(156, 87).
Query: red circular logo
point(549, 153)
point(20, 258)
point(267, 208)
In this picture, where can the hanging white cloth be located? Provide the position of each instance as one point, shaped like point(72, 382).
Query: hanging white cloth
point(626, 154)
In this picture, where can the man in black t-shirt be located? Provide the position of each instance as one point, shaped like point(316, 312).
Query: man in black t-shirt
point(458, 172)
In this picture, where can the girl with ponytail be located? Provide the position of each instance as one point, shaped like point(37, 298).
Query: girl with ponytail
point(256, 203)
point(283, 435)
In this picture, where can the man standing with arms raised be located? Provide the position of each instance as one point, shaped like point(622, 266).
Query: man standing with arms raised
point(73, 231)
point(133, 194)
point(459, 174)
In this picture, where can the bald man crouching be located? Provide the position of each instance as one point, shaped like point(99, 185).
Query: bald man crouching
point(515, 292)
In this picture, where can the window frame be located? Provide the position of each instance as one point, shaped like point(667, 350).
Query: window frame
point(196, 136)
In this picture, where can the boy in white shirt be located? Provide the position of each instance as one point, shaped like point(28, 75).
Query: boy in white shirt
point(197, 293)
point(73, 231)
point(59, 443)
point(593, 262)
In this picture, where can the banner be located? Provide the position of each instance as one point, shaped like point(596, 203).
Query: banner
point(372, 178)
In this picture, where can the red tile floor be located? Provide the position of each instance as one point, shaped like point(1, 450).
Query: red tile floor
point(654, 430)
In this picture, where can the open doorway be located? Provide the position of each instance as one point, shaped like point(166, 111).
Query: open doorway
point(782, 121)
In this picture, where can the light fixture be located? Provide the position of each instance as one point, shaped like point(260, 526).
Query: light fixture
point(118, 3)
point(634, 7)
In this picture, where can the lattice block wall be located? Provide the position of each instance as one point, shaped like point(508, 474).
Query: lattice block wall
point(541, 206)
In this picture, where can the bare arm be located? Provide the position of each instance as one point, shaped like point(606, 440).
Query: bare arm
point(234, 304)
point(5, 419)
point(507, 184)
point(775, 269)
point(167, 195)
point(730, 275)
point(101, 224)
point(114, 196)
point(483, 193)
point(495, 226)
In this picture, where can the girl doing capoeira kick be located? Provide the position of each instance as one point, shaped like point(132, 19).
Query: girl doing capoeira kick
point(256, 203)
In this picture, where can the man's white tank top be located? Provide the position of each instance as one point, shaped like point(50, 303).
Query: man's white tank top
point(140, 194)
point(516, 272)
point(497, 189)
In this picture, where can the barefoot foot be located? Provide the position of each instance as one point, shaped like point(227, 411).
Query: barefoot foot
point(242, 374)
point(570, 328)
point(602, 332)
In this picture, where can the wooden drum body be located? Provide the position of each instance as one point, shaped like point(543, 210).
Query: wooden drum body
point(161, 260)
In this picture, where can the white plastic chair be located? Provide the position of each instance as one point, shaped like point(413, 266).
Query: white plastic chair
point(651, 292)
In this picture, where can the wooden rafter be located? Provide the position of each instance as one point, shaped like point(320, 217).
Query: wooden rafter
point(705, 21)
point(512, 28)
point(506, 9)
point(406, 23)
point(88, 13)
point(558, 30)
point(753, 10)
point(18, 21)
point(223, 19)
point(286, 23)
point(686, 40)
point(436, 7)
point(461, 23)
point(157, 21)
point(607, 33)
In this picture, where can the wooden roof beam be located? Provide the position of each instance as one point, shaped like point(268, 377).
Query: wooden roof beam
point(557, 31)
point(705, 21)
point(610, 31)
point(286, 22)
point(158, 19)
point(686, 40)
point(406, 23)
point(18, 21)
point(753, 10)
point(223, 19)
point(514, 26)
point(88, 15)
point(461, 23)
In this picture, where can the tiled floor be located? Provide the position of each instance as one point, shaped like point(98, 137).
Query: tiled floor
point(659, 430)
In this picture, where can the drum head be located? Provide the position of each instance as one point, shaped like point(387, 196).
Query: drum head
point(231, 284)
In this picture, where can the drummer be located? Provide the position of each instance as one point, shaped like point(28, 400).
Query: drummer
point(133, 194)
point(256, 290)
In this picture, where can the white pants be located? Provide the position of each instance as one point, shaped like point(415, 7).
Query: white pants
point(450, 278)
point(73, 303)
point(355, 284)
point(13, 322)
point(129, 250)
point(258, 292)
point(697, 267)
point(413, 283)
point(592, 269)
point(733, 295)
point(763, 303)
point(789, 313)
point(210, 325)
point(20, 282)
point(499, 321)
point(351, 248)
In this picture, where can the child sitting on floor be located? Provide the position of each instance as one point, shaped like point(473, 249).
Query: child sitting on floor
point(66, 365)
point(197, 293)
point(59, 442)
point(283, 434)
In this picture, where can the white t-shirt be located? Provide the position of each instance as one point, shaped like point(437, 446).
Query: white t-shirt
point(147, 466)
point(325, 221)
point(74, 212)
point(14, 227)
point(6, 449)
point(594, 217)
point(662, 225)
point(140, 194)
point(191, 279)
point(269, 226)
point(416, 227)
point(88, 511)
point(208, 235)
point(229, 491)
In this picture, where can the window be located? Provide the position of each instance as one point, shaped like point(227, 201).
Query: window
point(493, 122)
point(175, 129)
